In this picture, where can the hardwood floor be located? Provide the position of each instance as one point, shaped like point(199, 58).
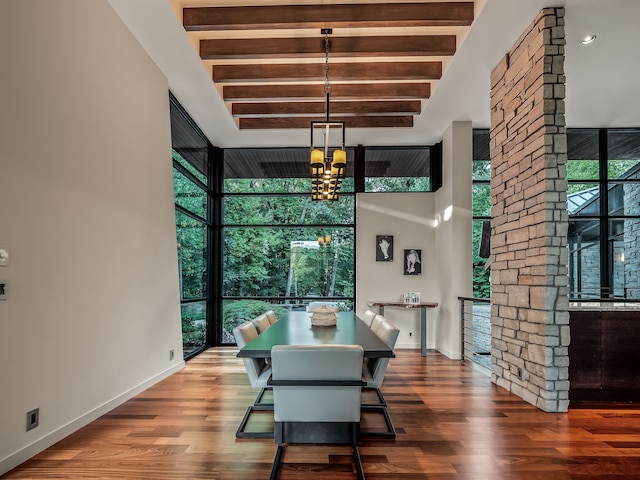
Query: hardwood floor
point(452, 424)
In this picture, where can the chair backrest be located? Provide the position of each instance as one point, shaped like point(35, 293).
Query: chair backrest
point(368, 317)
point(378, 366)
point(271, 316)
point(261, 322)
point(257, 369)
point(316, 403)
point(388, 333)
point(244, 333)
point(376, 322)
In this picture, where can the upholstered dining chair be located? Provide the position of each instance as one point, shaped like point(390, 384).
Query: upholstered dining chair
point(271, 316)
point(375, 323)
point(259, 372)
point(316, 396)
point(368, 317)
point(373, 372)
point(261, 322)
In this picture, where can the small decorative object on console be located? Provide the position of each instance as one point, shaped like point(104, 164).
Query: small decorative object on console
point(411, 297)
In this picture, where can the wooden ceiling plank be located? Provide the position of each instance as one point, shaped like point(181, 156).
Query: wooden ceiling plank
point(329, 16)
point(385, 46)
point(263, 123)
point(337, 71)
point(316, 92)
point(397, 107)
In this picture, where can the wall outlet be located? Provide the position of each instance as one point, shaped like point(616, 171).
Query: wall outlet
point(170, 354)
point(520, 374)
point(411, 334)
point(33, 419)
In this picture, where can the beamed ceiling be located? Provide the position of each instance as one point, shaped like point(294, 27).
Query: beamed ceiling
point(267, 62)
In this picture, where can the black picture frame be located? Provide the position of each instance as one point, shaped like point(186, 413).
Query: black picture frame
point(412, 263)
point(384, 248)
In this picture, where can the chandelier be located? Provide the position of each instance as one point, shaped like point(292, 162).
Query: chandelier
point(328, 155)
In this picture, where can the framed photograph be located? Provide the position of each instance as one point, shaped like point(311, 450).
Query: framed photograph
point(384, 248)
point(413, 262)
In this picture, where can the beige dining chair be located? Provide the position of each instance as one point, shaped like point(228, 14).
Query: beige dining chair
point(373, 372)
point(271, 315)
point(316, 396)
point(258, 372)
point(261, 322)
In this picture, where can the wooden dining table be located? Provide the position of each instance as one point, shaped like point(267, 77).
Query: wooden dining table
point(296, 329)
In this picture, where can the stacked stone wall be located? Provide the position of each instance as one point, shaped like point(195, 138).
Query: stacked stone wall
point(529, 292)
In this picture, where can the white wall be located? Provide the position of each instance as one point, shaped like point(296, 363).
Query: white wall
point(453, 234)
point(421, 221)
point(409, 217)
point(86, 207)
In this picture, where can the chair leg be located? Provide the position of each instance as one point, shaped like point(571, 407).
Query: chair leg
point(390, 432)
point(380, 396)
point(382, 408)
point(258, 402)
point(358, 461)
point(241, 433)
point(276, 463)
point(257, 406)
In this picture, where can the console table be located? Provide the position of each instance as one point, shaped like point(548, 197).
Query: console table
point(423, 317)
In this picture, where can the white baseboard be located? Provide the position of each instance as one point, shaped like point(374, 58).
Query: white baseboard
point(49, 439)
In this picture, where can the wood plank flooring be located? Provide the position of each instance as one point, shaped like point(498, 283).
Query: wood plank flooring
point(452, 424)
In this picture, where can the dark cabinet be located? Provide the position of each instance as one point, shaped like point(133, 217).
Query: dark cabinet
point(604, 355)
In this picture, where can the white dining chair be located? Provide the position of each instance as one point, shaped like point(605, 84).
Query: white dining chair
point(368, 317)
point(376, 322)
point(316, 396)
point(374, 370)
point(258, 372)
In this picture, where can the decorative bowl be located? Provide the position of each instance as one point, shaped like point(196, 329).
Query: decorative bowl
point(324, 316)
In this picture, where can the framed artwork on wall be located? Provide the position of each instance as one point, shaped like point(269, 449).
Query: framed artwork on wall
point(384, 248)
point(412, 262)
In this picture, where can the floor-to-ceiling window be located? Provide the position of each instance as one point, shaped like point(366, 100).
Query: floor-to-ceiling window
point(191, 166)
point(281, 250)
point(603, 199)
point(481, 210)
point(603, 202)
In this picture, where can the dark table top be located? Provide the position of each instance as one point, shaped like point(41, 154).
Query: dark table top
point(296, 329)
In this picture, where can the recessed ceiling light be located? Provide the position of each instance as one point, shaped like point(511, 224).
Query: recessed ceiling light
point(588, 39)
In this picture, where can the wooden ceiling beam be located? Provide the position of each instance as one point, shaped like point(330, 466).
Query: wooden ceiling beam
point(395, 107)
point(329, 16)
point(353, 91)
point(337, 71)
point(380, 46)
point(385, 121)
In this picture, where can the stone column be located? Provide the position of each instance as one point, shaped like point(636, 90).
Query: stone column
point(529, 290)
